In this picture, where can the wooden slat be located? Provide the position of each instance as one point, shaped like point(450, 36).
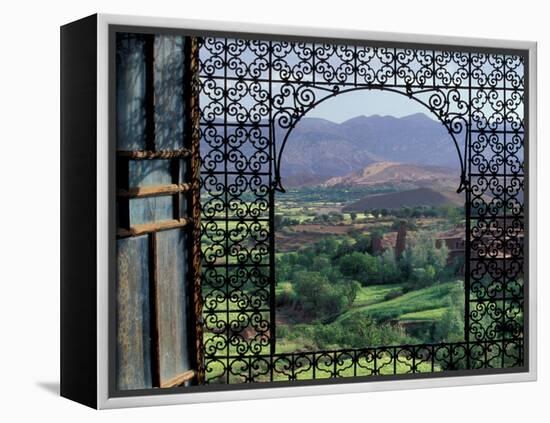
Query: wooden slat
point(133, 346)
point(173, 313)
point(146, 228)
point(153, 190)
point(179, 379)
point(150, 155)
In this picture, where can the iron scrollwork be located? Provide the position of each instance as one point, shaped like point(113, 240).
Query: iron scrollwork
point(252, 94)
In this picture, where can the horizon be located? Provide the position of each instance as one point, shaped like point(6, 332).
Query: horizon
point(376, 115)
point(346, 106)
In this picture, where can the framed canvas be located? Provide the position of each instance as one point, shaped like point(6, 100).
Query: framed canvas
point(263, 211)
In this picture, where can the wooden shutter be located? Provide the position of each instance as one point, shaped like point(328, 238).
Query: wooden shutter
point(158, 229)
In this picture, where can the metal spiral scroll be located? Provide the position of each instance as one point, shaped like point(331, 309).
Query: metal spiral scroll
point(251, 92)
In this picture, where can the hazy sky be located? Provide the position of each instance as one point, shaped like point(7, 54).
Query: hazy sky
point(364, 102)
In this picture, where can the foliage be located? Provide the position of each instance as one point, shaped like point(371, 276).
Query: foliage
point(311, 194)
point(426, 262)
point(358, 332)
point(451, 213)
point(450, 327)
point(339, 293)
point(331, 217)
point(351, 288)
point(389, 270)
point(317, 296)
point(361, 267)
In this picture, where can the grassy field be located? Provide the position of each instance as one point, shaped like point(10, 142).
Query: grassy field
point(375, 294)
point(420, 302)
point(425, 315)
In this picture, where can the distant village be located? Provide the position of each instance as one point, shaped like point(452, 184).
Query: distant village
point(490, 243)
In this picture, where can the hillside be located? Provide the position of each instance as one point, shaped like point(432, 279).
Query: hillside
point(397, 175)
point(407, 306)
point(410, 198)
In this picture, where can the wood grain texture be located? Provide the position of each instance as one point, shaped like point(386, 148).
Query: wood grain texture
point(146, 228)
point(172, 304)
point(132, 321)
point(169, 93)
point(179, 379)
point(152, 191)
point(131, 92)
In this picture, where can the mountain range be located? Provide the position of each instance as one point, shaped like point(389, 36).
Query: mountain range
point(319, 150)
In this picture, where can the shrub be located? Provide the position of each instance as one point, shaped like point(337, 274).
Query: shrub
point(317, 296)
point(450, 328)
point(285, 296)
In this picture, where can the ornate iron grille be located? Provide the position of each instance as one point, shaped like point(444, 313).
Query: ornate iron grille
point(250, 87)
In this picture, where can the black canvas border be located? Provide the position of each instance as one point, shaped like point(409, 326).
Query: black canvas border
point(78, 184)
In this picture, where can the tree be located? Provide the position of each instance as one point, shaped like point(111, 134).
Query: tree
point(351, 289)
point(326, 246)
point(360, 266)
point(353, 216)
point(454, 214)
point(362, 243)
point(405, 264)
point(425, 253)
point(317, 296)
point(320, 263)
point(450, 328)
point(388, 267)
point(344, 248)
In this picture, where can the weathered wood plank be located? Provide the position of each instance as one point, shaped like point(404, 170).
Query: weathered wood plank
point(179, 379)
point(173, 309)
point(169, 92)
point(150, 209)
point(148, 172)
point(153, 190)
point(132, 315)
point(146, 228)
point(130, 94)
